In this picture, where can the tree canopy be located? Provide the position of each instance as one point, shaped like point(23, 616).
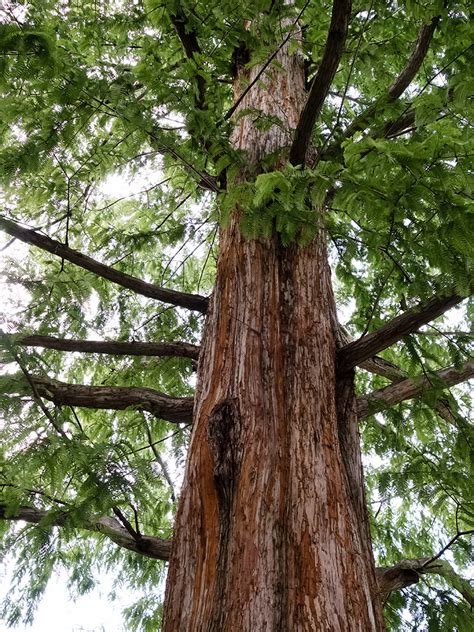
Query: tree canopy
point(117, 171)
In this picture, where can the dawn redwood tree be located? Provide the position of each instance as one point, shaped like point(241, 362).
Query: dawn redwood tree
point(273, 161)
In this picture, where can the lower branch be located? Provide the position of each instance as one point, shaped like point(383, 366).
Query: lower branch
point(174, 409)
point(356, 352)
point(408, 572)
point(408, 389)
point(153, 547)
point(389, 579)
point(392, 372)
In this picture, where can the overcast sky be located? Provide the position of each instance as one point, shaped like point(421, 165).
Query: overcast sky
point(90, 613)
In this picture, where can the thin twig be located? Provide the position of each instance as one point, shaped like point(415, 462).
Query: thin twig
point(445, 548)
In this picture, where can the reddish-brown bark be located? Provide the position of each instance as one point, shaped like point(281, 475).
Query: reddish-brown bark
point(271, 532)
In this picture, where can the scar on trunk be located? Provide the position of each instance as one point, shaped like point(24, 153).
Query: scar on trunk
point(223, 432)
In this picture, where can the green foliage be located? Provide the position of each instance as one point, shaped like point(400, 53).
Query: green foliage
point(103, 146)
point(285, 201)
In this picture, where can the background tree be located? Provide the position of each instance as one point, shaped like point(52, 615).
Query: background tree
point(272, 138)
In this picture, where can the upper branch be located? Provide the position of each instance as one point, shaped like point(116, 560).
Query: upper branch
point(173, 297)
point(341, 11)
point(409, 388)
point(149, 546)
point(114, 347)
point(356, 352)
point(174, 409)
point(191, 47)
point(413, 65)
point(418, 54)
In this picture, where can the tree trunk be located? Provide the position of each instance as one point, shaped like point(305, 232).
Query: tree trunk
point(272, 532)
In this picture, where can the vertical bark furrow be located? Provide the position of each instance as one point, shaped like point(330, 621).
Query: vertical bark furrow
point(223, 433)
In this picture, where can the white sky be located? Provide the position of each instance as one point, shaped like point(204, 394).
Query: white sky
point(90, 613)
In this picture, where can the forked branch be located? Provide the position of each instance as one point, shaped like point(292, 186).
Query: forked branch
point(392, 372)
point(153, 547)
point(173, 297)
point(334, 48)
point(401, 83)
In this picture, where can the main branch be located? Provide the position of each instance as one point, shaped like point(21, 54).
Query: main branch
point(410, 388)
point(173, 297)
point(174, 409)
point(113, 347)
point(189, 41)
point(341, 11)
point(418, 54)
point(356, 352)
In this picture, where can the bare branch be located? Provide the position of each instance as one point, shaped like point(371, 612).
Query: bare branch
point(334, 48)
point(160, 461)
point(410, 388)
point(150, 546)
point(356, 352)
point(173, 297)
point(113, 347)
point(174, 409)
point(126, 524)
point(447, 546)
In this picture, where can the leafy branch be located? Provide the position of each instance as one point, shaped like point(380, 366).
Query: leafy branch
point(413, 387)
point(174, 297)
point(356, 352)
